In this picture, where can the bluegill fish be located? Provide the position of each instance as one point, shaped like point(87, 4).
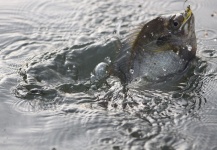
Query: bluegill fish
point(162, 47)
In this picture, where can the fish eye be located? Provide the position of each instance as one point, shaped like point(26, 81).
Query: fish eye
point(175, 23)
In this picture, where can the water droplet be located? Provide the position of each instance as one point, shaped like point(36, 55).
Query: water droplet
point(131, 71)
point(164, 69)
point(215, 40)
point(152, 34)
point(92, 78)
point(108, 60)
point(144, 36)
point(68, 70)
point(189, 47)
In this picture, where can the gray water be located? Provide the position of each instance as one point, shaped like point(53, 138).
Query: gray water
point(48, 50)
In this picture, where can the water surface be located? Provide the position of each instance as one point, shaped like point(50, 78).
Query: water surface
point(48, 51)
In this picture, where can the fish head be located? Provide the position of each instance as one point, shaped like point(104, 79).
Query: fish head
point(179, 33)
point(174, 32)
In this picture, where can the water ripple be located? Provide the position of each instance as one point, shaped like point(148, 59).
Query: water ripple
point(206, 34)
point(46, 42)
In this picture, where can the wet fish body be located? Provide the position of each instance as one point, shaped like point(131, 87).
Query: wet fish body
point(162, 47)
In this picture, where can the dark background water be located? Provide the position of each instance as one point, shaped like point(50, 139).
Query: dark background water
point(48, 50)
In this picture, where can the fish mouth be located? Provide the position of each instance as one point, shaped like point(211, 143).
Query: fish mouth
point(187, 15)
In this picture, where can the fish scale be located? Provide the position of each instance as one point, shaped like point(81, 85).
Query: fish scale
point(159, 65)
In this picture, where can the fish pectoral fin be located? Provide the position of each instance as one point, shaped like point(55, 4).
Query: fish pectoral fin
point(162, 40)
point(163, 48)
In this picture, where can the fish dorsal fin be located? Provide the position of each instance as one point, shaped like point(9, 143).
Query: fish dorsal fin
point(145, 36)
point(135, 34)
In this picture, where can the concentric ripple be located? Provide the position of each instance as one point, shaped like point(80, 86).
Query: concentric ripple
point(206, 34)
point(210, 53)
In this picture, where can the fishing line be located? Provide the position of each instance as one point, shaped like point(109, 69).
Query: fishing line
point(184, 3)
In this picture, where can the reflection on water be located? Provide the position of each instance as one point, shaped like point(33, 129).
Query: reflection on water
point(52, 98)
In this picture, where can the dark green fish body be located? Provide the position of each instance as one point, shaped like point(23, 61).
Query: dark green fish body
point(162, 47)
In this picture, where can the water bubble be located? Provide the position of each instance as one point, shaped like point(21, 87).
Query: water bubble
point(100, 71)
point(131, 71)
point(189, 47)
